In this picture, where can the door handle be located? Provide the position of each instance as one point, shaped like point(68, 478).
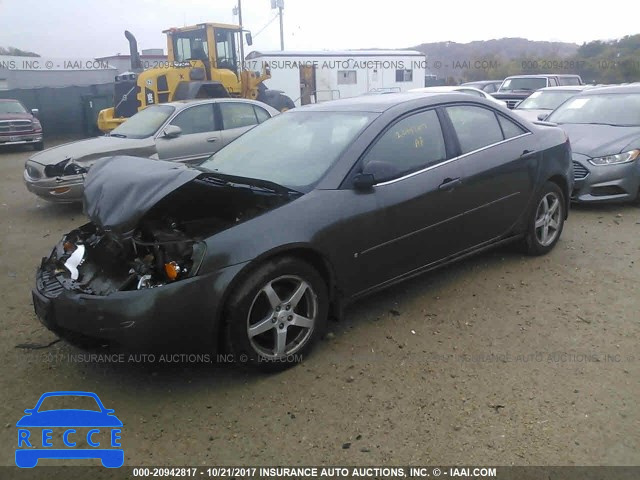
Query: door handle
point(212, 139)
point(526, 153)
point(450, 183)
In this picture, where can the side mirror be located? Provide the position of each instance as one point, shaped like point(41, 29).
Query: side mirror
point(374, 172)
point(172, 131)
point(364, 181)
point(543, 116)
point(35, 112)
point(28, 410)
point(248, 38)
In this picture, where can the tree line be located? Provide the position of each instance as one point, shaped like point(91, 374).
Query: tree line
point(598, 61)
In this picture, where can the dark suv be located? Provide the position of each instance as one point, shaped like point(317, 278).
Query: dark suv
point(18, 126)
point(518, 87)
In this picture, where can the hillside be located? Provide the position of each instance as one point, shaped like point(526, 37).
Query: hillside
point(16, 52)
point(454, 57)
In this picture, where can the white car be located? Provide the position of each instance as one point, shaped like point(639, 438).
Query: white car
point(542, 102)
point(458, 88)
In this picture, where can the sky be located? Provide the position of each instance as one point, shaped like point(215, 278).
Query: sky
point(94, 28)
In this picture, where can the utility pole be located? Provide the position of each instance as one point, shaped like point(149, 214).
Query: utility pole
point(279, 4)
point(280, 7)
point(241, 35)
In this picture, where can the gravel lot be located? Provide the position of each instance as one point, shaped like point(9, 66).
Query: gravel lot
point(498, 360)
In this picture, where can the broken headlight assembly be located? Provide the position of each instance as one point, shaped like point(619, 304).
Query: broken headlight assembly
point(63, 168)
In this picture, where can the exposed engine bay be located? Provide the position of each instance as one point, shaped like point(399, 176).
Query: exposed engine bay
point(93, 262)
point(167, 244)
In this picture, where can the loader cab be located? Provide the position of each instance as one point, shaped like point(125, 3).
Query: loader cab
point(216, 45)
point(226, 53)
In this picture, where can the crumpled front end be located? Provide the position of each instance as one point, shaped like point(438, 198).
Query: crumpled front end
point(97, 286)
point(133, 273)
point(59, 183)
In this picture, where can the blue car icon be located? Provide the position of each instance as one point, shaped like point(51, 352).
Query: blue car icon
point(101, 421)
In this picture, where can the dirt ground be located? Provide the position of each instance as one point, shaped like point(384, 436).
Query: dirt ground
point(498, 360)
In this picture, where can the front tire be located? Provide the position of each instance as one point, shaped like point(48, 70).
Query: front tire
point(277, 314)
point(546, 220)
point(38, 146)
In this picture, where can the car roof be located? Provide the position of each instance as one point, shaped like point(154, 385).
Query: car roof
point(180, 104)
point(382, 103)
point(544, 75)
point(9, 100)
point(481, 82)
point(631, 88)
point(442, 88)
point(566, 88)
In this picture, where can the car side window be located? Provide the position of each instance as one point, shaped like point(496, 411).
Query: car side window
point(261, 113)
point(410, 144)
point(509, 128)
point(198, 119)
point(476, 127)
point(237, 115)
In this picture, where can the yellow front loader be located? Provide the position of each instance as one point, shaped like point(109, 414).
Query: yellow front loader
point(202, 63)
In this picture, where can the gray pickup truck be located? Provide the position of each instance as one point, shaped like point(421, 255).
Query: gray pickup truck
point(516, 88)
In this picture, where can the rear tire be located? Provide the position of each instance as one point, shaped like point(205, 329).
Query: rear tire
point(546, 220)
point(279, 101)
point(275, 316)
point(285, 103)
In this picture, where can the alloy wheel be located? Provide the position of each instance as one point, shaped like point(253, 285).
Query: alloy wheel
point(282, 317)
point(548, 219)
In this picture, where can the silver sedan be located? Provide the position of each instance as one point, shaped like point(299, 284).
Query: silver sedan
point(186, 132)
point(603, 125)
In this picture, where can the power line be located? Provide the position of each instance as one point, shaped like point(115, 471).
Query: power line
point(269, 23)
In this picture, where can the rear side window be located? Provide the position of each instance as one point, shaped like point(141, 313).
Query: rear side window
point(476, 127)
point(261, 113)
point(410, 144)
point(237, 115)
point(568, 80)
point(509, 128)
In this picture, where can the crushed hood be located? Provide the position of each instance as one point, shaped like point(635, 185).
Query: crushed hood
point(118, 191)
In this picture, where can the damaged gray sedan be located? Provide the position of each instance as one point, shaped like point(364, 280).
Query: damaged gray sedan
point(187, 132)
point(254, 249)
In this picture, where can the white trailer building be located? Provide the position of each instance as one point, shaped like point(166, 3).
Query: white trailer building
point(317, 76)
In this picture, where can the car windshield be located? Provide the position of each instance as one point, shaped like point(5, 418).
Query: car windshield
point(69, 402)
point(11, 107)
point(144, 123)
point(619, 109)
point(545, 100)
point(524, 83)
point(294, 149)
